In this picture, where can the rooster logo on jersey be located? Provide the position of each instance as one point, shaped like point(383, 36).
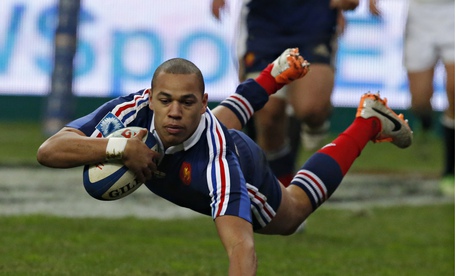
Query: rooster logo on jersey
point(186, 173)
point(109, 124)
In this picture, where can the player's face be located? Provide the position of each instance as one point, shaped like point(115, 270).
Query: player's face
point(178, 104)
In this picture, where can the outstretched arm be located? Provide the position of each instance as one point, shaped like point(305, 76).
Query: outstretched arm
point(69, 148)
point(251, 95)
point(72, 148)
point(237, 237)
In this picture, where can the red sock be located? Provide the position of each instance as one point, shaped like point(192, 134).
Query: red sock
point(267, 81)
point(349, 144)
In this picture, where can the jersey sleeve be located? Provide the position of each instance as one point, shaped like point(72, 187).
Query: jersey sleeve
point(112, 115)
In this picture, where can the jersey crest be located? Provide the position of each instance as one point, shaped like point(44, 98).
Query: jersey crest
point(186, 173)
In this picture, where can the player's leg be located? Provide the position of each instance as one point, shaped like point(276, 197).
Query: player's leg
point(271, 128)
point(252, 95)
point(450, 90)
point(310, 98)
point(446, 19)
point(270, 125)
point(320, 176)
point(448, 126)
point(421, 89)
point(429, 36)
point(420, 57)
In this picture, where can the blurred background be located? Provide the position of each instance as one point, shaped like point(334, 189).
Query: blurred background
point(120, 43)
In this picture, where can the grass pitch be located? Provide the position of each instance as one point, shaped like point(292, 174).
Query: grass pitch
point(383, 241)
point(404, 240)
point(424, 157)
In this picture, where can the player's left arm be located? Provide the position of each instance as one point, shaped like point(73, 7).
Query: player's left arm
point(237, 237)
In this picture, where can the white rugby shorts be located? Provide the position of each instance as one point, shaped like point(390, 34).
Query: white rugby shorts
point(429, 34)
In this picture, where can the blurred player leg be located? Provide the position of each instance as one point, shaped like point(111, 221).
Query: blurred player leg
point(429, 38)
point(314, 32)
point(420, 60)
point(448, 126)
point(270, 124)
point(310, 98)
point(269, 131)
point(421, 87)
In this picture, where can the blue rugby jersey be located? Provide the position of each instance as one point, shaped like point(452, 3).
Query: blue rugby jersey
point(215, 172)
point(274, 25)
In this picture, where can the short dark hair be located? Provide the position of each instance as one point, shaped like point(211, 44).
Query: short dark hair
point(179, 66)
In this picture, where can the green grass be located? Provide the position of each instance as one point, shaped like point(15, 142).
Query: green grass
point(380, 241)
point(19, 147)
point(423, 157)
point(384, 241)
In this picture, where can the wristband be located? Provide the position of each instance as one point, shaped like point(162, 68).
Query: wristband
point(115, 148)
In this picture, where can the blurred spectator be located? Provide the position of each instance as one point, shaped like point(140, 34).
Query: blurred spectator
point(429, 39)
point(312, 26)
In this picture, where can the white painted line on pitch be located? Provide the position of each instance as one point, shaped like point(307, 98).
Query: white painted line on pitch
point(60, 192)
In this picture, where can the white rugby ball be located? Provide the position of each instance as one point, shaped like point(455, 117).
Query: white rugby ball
point(112, 180)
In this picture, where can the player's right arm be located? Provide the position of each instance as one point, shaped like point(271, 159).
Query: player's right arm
point(69, 148)
point(72, 148)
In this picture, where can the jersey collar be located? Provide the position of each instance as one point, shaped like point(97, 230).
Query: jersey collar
point(187, 144)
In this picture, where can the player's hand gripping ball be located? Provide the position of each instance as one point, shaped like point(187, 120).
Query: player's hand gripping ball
point(112, 180)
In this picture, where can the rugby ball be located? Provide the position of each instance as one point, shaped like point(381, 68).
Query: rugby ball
point(112, 180)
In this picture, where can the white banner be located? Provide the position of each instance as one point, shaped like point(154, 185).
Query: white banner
point(122, 42)
point(120, 45)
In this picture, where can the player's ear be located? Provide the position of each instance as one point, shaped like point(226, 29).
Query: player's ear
point(204, 103)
